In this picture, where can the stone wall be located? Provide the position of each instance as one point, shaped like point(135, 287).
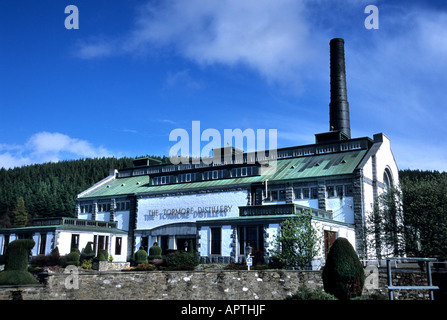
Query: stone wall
point(190, 285)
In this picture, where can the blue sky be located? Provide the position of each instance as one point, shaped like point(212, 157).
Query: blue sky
point(136, 70)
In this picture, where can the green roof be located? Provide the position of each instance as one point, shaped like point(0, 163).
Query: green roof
point(270, 218)
point(61, 227)
point(308, 167)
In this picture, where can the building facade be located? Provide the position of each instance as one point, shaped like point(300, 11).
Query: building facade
point(224, 207)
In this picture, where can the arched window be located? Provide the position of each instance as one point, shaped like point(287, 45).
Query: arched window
point(388, 178)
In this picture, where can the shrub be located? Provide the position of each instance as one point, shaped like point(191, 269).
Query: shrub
point(39, 261)
point(306, 293)
point(140, 256)
point(17, 263)
point(343, 274)
point(155, 252)
point(261, 266)
point(236, 266)
point(276, 263)
point(73, 258)
point(17, 254)
point(102, 255)
point(144, 267)
point(54, 258)
point(87, 263)
point(181, 260)
point(88, 253)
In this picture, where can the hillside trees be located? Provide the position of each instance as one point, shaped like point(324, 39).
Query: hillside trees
point(50, 189)
point(424, 201)
point(412, 219)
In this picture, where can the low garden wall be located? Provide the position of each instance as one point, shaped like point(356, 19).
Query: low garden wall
point(190, 285)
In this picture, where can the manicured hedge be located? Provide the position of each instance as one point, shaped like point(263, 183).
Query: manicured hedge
point(16, 266)
point(343, 274)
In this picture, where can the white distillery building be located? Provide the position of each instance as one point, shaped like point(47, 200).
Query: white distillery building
point(223, 207)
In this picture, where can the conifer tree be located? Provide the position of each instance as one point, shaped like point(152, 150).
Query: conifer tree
point(20, 214)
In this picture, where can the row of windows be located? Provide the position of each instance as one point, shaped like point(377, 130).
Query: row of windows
point(207, 175)
point(104, 207)
point(252, 236)
point(99, 243)
point(311, 193)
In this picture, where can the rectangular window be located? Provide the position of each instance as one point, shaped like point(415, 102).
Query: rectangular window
point(161, 180)
point(216, 174)
point(74, 242)
point(118, 244)
point(297, 193)
point(314, 193)
point(339, 190)
point(330, 191)
point(349, 190)
point(122, 206)
point(216, 240)
point(103, 243)
point(282, 195)
point(43, 243)
point(252, 236)
point(243, 172)
point(145, 242)
point(5, 243)
point(104, 207)
point(306, 193)
point(95, 243)
point(86, 208)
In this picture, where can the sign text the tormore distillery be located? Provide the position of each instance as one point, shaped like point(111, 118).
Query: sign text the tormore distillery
point(186, 212)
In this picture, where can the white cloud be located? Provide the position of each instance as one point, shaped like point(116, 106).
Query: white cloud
point(396, 74)
point(397, 82)
point(7, 160)
point(48, 147)
point(182, 78)
point(98, 48)
point(273, 38)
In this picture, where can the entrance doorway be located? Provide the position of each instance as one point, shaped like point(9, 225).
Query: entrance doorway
point(164, 244)
point(184, 243)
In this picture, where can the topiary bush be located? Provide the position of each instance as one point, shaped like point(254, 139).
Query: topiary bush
point(155, 252)
point(16, 259)
point(343, 274)
point(73, 258)
point(88, 253)
point(140, 256)
point(102, 255)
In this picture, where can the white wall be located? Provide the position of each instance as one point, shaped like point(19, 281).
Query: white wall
point(204, 234)
point(342, 208)
point(122, 217)
point(64, 243)
point(155, 212)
